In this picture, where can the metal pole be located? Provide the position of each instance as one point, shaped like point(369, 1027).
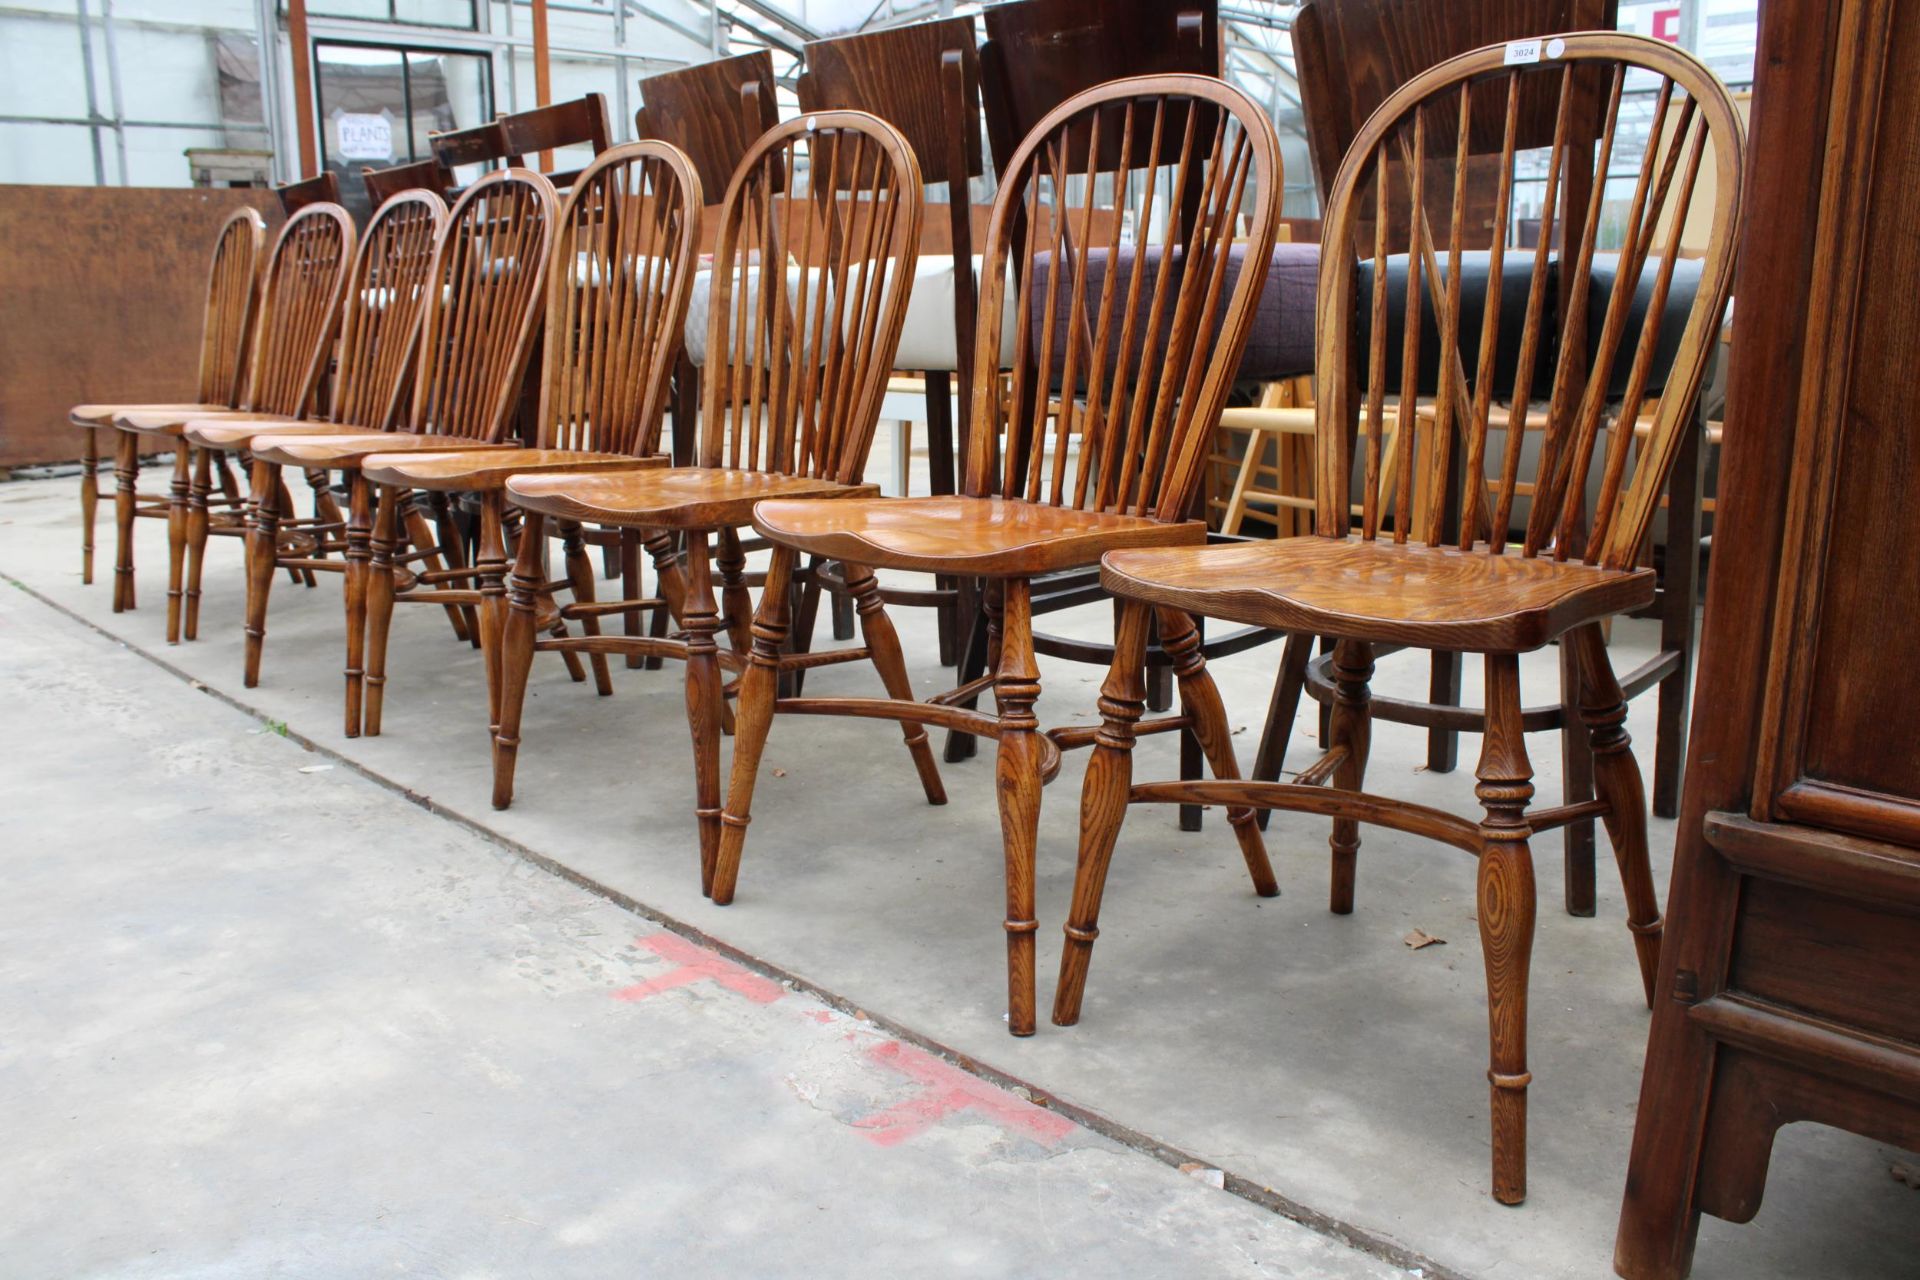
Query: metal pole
point(93, 100)
point(113, 90)
point(303, 112)
point(266, 33)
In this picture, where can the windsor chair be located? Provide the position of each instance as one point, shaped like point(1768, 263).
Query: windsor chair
point(225, 327)
point(292, 343)
point(379, 333)
point(625, 247)
point(1476, 592)
point(478, 323)
point(796, 364)
point(1113, 462)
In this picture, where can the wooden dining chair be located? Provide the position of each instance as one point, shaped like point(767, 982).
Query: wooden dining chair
point(322, 188)
point(1388, 581)
point(544, 130)
point(422, 175)
point(625, 247)
point(484, 295)
point(379, 331)
point(1114, 463)
point(292, 344)
point(796, 365)
point(226, 328)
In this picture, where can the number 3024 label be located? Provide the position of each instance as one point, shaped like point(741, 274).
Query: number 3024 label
point(1524, 51)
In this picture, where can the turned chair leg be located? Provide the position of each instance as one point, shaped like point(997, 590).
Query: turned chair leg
point(1350, 730)
point(491, 563)
point(1506, 905)
point(177, 536)
point(126, 475)
point(883, 644)
point(672, 578)
point(758, 688)
point(573, 545)
point(199, 521)
point(1016, 687)
point(262, 551)
point(423, 536)
point(1576, 785)
point(1103, 804)
point(1200, 699)
point(284, 494)
point(89, 501)
point(704, 697)
point(1616, 775)
point(359, 557)
point(736, 603)
point(378, 616)
point(516, 653)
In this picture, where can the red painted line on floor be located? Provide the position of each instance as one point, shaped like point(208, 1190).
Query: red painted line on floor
point(697, 964)
point(947, 1089)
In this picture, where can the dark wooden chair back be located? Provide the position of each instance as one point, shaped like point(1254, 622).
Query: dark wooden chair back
point(581, 122)
point(299, 308)
point(714, 112)
point(483, 307)
point(232, 290)
point(797, 363)
point(422, 175)
point(624, 260)
point(1145, 333)
point(483, 144)
point(1039, 53)
point(1432, 118)
point(386, 296)
point(1352, 54)
point(295, 196)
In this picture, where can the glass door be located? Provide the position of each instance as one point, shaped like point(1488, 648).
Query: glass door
point(378, 103)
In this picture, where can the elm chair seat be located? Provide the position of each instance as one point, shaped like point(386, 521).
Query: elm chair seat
point(104, 415)
point(234, 431)
point(991, 537)
point(335, 449)
point(477, 470)
point(1434, 597)
point(669, 497)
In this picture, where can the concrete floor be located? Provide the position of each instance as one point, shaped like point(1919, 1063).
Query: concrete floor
point(1320, 1062)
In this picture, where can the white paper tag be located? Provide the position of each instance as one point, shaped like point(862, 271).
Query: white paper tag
point(1521, 51)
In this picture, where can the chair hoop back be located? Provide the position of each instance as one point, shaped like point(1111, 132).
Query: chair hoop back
point(483, 306)
point(305, 280)
point(795, 375)
point(386, 297)
point(1426, 126)
point(233, 277)
point(1116, 224)
point(625, 255)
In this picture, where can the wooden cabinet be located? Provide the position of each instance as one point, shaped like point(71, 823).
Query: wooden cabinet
point(1790, 988)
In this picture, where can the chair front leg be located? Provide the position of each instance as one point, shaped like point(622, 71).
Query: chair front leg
point(359, 572)
point(704, 698)
point(491, 564)
point(883, 643)
point(199, 520)
point(379, 606)
point(177, 536)
point(1016, 687)
point(263, 542)
point(1207, 717)
point(89, 501)
point(126, 475)
point(1506, 905)
point(516, 652)
point(1103, 803)
point(1616, 775)
point(759, 686)
point(1351, 731)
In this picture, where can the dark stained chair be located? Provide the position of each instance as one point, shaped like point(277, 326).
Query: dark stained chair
point(1397, 580)
point(295, 196)
point(544, 130)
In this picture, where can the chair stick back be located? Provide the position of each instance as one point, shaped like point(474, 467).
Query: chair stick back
point(812, 268)
point(1431, 117)
point(306, 279)
point(1133, 300)
point(232, 291)
point(624, 258)
point(483, 306)
point(386, 298)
